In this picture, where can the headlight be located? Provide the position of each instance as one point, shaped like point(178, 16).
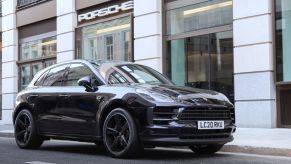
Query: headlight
point(153, 96)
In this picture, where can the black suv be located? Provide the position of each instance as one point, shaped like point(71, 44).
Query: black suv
point(124, 106)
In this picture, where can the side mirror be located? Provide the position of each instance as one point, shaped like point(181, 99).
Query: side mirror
point(86, 82)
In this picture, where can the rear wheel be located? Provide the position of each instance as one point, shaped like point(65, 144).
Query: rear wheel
point(25, 131)
point(206, 149)
point(120, 134)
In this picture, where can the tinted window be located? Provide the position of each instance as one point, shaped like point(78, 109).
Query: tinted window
point(55, 76)
point(40, 80)
point(76, 72)
point(116, 78)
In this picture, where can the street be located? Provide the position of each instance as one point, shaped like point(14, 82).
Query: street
point(62, 152)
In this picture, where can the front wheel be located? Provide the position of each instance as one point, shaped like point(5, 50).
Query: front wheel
point(120, 135)
point(206, 149)
point(25, 133)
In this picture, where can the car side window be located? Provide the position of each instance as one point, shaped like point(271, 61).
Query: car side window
point(116, 78)
point(41, 79)
point(55, 76)
point(76, 72)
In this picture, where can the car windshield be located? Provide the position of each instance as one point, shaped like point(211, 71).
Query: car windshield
point(131, 73)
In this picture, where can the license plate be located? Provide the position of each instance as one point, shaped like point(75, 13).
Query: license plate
point(210, 124)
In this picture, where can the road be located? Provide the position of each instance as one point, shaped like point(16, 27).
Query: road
point(64, 152)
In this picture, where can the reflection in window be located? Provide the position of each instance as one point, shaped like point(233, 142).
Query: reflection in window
point(76, 72)
point(30, 54)
point(202, 15)
point(109, 40)
point(37, 49)
point(283, 39)
point(25, 75)
point(204, 61)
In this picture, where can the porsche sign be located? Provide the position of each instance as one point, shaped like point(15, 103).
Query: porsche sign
point(106, 11)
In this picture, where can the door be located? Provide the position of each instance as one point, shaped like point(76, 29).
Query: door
point(78, 107)
point(46, 100)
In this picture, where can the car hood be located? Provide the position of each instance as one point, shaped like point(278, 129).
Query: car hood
point(186, 95)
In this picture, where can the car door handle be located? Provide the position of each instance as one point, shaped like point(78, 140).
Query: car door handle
point(64, 95)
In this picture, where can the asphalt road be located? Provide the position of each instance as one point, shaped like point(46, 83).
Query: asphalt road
point(63, 152)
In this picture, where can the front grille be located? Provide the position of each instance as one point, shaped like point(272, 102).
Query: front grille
point(205, 113)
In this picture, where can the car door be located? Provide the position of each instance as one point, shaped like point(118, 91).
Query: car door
point(78, 107)
point(46, 100)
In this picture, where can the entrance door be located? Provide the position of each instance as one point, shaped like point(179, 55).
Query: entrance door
point(284, 105)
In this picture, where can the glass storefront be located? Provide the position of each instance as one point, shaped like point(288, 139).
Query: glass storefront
point(283, 61)
point(203, 59)
point(0, 75)
point(283, 39)
point(199, 16)
point(109, 40)
point(34, 56)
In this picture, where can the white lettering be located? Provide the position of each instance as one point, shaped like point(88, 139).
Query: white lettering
point(106, 11)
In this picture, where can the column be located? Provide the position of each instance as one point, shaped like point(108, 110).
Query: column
point(148, 33)
point(66, 23)
point(9, 59)
point(253, 64)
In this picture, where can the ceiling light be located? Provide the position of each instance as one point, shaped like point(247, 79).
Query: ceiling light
point(206, 8)
point(112, 28)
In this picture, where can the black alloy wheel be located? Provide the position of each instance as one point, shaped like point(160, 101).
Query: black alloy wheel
point(24, 131)
point(206, 149)
point(120, 134)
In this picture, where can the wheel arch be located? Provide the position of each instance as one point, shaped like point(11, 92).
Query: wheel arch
point(19, 108)
point(118, 103)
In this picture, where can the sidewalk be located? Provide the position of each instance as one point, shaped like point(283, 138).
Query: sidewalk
point(246, 140)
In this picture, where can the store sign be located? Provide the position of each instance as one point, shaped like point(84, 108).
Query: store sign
point(106, 11)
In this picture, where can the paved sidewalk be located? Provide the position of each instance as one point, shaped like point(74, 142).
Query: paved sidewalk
point(246, 140)
point(261, 141)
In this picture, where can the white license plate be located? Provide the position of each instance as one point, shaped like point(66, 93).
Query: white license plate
point(210, 124)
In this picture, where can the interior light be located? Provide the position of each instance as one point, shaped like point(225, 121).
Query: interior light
point(206, 8)
point(48, 42)
point(112, 28)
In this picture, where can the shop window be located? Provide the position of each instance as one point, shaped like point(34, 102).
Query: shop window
point(283, 33)
point(200, 45)
point(110, 40)
point(204, 61)
point(34, 56)
point(199, 16)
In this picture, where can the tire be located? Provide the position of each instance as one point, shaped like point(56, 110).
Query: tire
point(120, 134)
point(25, 133)
point(206, 149)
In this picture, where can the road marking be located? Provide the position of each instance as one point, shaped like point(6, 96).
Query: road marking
point(38, 162)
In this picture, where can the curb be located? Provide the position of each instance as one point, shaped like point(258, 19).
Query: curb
point(257, 150)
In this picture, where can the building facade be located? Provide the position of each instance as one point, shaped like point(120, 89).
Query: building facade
point(237, 47)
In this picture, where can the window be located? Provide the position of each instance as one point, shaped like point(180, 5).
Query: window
point(199, 16)
point(200, 46)
point(110, 40)
point(76, 72)
point(140, 74)
point(55, 76)
point(34, 56)
point(204, 61)
point(116, 78)
point(40, 80)
point(28, 3)
point(283, 33)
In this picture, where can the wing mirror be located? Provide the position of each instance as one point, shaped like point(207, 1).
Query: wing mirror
point(86, 82)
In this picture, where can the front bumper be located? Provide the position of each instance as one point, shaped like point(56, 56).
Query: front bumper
point(185, 135)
